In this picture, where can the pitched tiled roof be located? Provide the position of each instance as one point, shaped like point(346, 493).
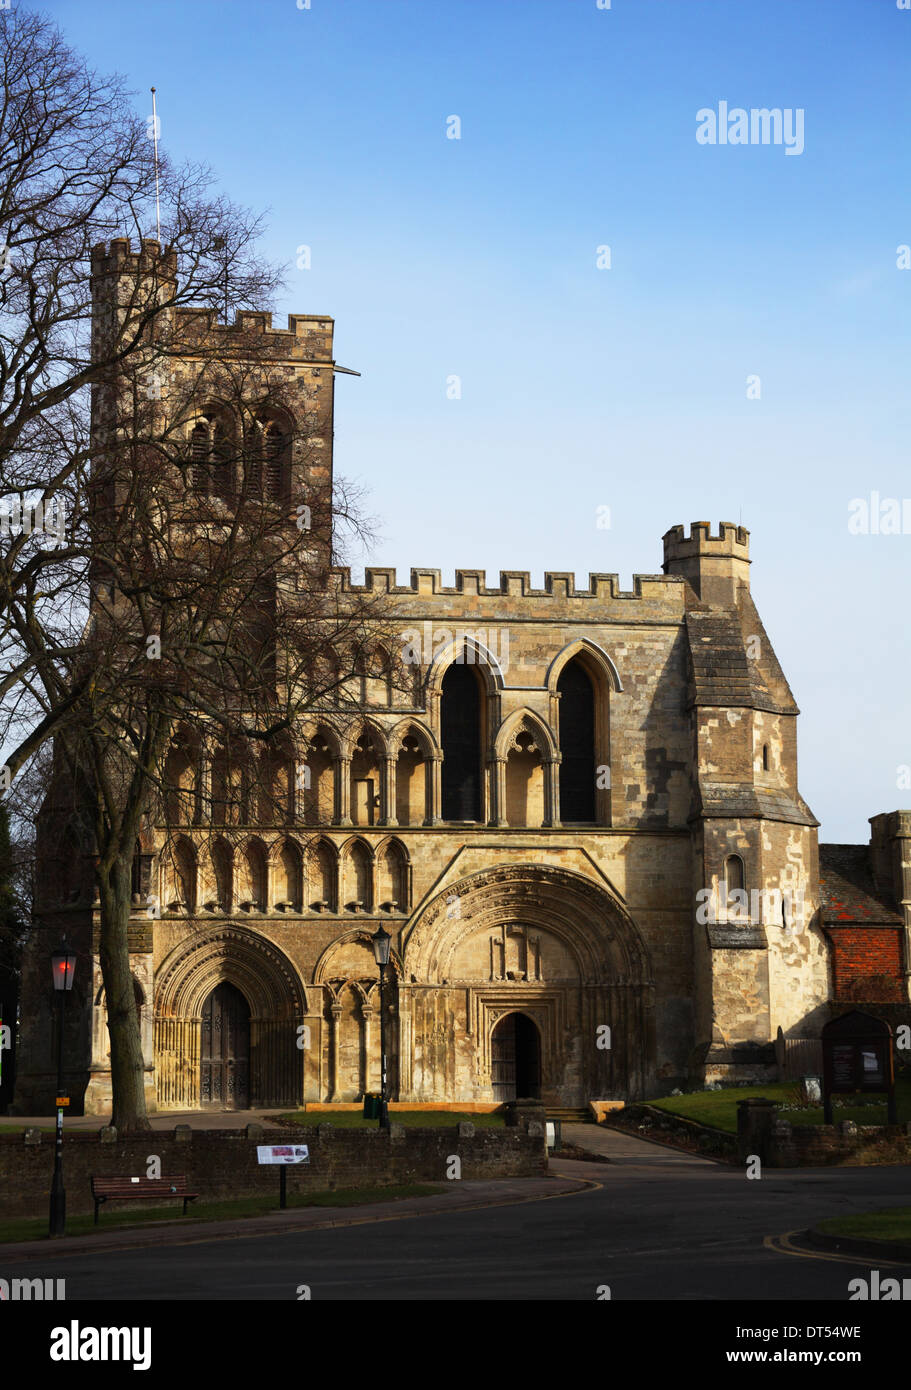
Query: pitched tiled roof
point(722, 671)
point(848, 894)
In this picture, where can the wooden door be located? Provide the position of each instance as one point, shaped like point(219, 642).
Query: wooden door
point(225, 1050)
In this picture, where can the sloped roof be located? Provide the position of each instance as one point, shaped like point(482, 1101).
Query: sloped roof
point(717, 799)
point(848, 895)
point(721, 667)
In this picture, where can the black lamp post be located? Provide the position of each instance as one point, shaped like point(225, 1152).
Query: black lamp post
point(63, 965)
point(381, 943)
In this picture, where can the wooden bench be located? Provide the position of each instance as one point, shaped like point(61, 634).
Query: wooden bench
point(130, 1189)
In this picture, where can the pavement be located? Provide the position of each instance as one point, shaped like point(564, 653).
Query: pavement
point(619, 1147)
point(612, 1144)
point(461, 1196)
point(199, 1119)
point(652, 1223)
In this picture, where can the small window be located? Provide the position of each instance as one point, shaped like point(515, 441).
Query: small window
point(765, 757)
point(737, 901)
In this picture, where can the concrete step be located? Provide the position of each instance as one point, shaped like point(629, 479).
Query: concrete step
point(570, 1115)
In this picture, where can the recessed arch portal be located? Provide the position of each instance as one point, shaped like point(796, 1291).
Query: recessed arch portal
point(274, 996)
point(543, 941)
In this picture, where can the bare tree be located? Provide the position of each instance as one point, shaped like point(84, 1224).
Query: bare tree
point(162, 566)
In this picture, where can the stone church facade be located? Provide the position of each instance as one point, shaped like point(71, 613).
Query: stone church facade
point(581, 825)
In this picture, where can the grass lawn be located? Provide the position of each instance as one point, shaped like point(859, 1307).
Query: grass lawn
point(33, 1228)
point(424, 1119)
point(719, 1108)
point(891, 1224)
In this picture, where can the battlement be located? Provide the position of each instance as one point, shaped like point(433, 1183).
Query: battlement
point(513, 584)
point(118, 259)
point(731, 540)
point(307, 336)
point(716, 566)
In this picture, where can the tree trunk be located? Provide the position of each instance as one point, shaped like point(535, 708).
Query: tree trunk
point(127, 1070)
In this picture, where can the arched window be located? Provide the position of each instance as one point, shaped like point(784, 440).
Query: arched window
point(737, 903)
point(275, 787)
point(269, 472)
point(199, 456)
point(254, 877)
point(365, 782)
point(319, 783)
point(288, 877)
point(524, 780)
point(577, 744)
point(410, 783)
point(223, 873)
point(180, 785)
point(230, 787)
point(358, 879)
point(275, 456)
point(392, 878)
point(210, 456)
point(322, 877)
point(460, 734)
point(180, 892)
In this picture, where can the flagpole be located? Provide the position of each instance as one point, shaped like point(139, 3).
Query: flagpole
point(155, 138)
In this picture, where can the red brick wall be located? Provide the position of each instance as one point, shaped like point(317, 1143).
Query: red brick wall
point(867, 964)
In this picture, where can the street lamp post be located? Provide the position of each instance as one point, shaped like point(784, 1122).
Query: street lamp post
point(63, 965)
point(381, 943)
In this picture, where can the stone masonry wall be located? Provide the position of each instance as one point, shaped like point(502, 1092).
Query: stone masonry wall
point(221, 1164)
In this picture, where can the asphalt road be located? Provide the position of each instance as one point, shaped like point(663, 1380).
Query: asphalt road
point(658, 1225)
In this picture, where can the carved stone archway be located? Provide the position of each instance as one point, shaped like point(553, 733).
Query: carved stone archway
point(560, 948)
point(230, 954)
point(346, 976)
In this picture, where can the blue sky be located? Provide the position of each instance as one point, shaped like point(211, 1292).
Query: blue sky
point(584, 388)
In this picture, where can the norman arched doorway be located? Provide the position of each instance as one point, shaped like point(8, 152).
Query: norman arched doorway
point(515, 1058)
point(266, 1022)
point(224, 1053)
point(532, 939)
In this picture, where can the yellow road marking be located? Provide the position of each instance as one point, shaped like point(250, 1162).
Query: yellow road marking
point(783, 1246)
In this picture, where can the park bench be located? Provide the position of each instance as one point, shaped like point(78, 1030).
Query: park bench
point(130, 1189)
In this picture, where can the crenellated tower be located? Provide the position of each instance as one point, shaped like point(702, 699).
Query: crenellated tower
point(247, 407)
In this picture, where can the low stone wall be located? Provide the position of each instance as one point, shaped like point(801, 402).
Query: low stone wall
point(779, 1144)
point(222, 1163)
point(647, 1122)
point(814, 1146)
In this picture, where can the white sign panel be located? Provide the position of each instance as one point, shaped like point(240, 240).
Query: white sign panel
point(282, 1153)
